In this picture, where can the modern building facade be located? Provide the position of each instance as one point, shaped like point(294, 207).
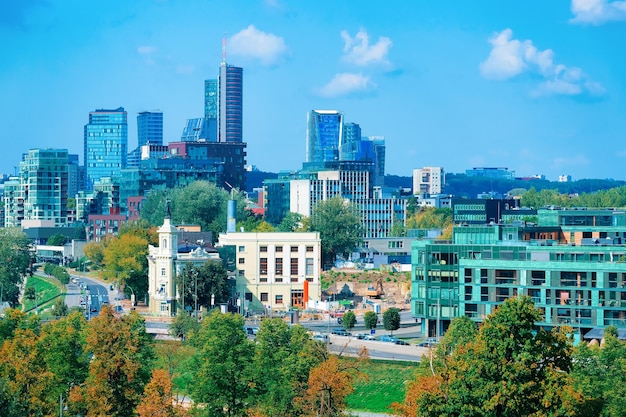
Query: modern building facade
point(150, 128)
point(40, 192)
point(105, 144)
point(230, 103)
point(323, 135)
point(491, 172)
point(276, 271)
point(574, 280)
point(211, 106)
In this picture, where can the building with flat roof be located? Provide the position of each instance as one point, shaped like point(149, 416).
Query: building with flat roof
point(574, 280)
point(276, 271)
point(428, 180)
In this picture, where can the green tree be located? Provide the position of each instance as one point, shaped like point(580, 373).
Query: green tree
point(204, 282)
point(339, 225)
point(125, 257)
point(57, 240)
point(370, 319)
point(349, 320)
point(222, 363)
point(600, 372)
point(391, 319)
point(15, 263)
point(122, 356)
point(284, 357)
point(60, 309)
point(184, 325)
point(94, 251)
point(510, 369)
point(290, 223)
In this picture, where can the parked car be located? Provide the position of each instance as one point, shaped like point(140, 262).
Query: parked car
point(401, 342)
point(430, 342)
point(340, 331)
point(370, 337)
point(387, 338)
point(360, 336)
point(320, 337)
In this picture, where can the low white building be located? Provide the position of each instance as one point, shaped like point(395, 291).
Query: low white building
point(275, 270)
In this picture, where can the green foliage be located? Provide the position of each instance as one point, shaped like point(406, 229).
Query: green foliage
point(222, 363)
point(349, 320)
point(339, 225)
point(15, 261)
point(600, 372)
point(283, 359)
point(184, 325)
point(57, 240)
point(59, 308)
point(510, 368)
point(200, 202)
point(391, 319)
point(292, 222)
point(370, 319)
point(202, 282)
point(430, 218)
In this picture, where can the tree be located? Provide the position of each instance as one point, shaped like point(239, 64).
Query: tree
point(94, 251)
point(120, 366)
point(339, 225)
point(222, 363)
point(60, 309)
point(183, 325)
point(370, 319)
point(15, 263)
point(124, 254)
point(349, 320)
point(158, 399)
point(284, 357)
point(290, 223)
point(600, 372)
point(510, 369)
point(57, 240)
point(205, 282)
point(391, 319)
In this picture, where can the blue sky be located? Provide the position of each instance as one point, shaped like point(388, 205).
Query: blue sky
point(536, 86)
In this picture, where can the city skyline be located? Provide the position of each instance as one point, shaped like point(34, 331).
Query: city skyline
point(533, 86)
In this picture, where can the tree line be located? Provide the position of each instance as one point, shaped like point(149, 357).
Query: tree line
point(510, 368)
point(110, 366)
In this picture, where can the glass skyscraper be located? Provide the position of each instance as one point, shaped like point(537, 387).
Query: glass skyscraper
point(230, 103)
point(211, 102)
point(150, 128)
point(323, 135)
point(105, 144)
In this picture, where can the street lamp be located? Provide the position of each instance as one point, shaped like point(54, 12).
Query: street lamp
point(212, 301)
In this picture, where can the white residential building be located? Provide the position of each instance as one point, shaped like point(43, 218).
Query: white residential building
point(429, 180)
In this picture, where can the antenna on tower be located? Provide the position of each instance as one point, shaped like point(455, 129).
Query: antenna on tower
point(224, 50)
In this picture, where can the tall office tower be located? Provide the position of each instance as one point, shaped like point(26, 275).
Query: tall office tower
point(43, 177)
point(231, 103)
point(323, 135)
point(106, 144)
point(150, 128)
point(211, 102)
point(73, 175)
point(430, 180)
point(350, 139)
point(379, 160)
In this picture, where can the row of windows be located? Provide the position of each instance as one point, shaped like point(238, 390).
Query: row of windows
point(263, 249)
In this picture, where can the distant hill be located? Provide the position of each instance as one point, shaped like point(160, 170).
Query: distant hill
point(460, 185)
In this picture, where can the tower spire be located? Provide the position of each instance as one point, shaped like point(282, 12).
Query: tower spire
point(224, 50)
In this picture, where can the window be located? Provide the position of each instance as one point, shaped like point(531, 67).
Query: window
point(309, 248)
point(279, 248)
point(242, 248)
point(279, 266)
point(294, 266)
point(263, 249)
point(309, 266)
point(242, 261)
point(264, 296)
point(294, 249)
point(263, 266)
point(279, 299)
point(162, 272)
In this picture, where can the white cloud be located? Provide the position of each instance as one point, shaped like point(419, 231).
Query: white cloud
point(147, 51)
point(511, 57)
point(256, 44)
point(358, 51)
point(346, 83)
point(597, 12)
point(576, 161)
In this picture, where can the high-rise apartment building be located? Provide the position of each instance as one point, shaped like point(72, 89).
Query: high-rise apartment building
point(428, 180)
point(40, 192)
point(150, 128)
point(230, 103)
point(105, 144)
point(323, 135)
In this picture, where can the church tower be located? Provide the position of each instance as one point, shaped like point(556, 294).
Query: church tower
point(161, 269)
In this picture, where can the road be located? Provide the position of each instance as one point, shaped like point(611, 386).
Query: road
point(95, 292)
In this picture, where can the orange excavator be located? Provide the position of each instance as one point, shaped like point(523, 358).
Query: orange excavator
point(375, 291)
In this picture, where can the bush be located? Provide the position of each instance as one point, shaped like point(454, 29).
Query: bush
point(61, 274)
